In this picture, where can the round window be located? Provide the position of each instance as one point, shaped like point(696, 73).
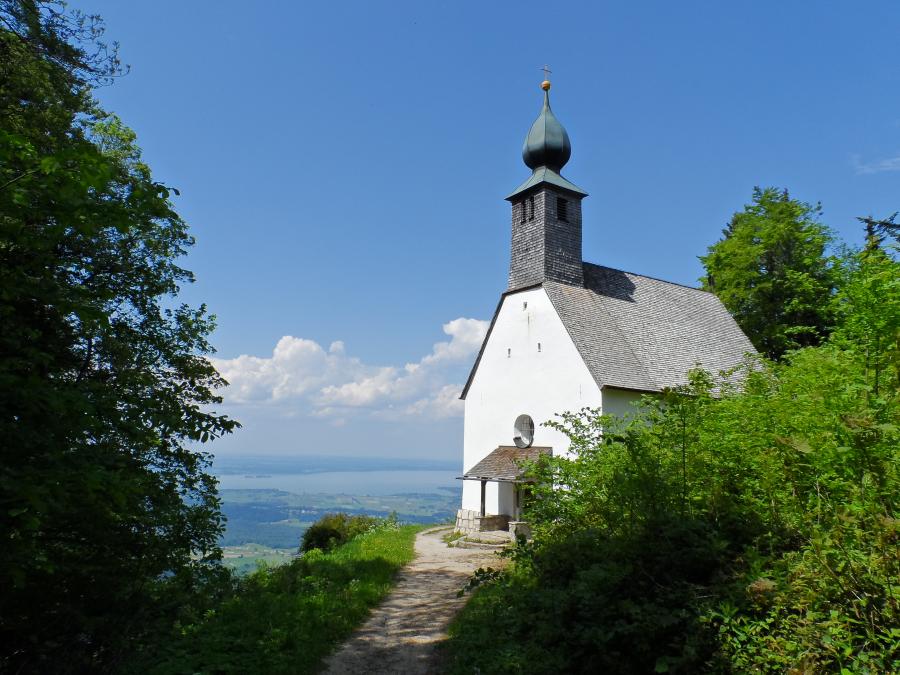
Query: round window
point(523, 431)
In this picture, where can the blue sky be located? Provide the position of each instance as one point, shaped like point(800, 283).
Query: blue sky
point(343, 167)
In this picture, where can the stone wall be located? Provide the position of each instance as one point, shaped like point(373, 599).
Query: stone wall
point(469, 522)
point(519, 529)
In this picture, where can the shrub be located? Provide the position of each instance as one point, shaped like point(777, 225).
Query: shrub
point(334, 529)
point(592, 603)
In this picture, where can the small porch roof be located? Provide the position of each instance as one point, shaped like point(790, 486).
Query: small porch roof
point(504, 464)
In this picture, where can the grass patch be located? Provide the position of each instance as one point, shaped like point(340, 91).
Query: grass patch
point(288, 618)
point(451, 537)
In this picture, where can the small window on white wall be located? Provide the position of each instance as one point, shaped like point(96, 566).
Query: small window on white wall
point(523, 431)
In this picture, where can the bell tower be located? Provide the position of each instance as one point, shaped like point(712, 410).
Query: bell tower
point(546, 209)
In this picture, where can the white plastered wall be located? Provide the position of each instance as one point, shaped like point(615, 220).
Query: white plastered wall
point(619, 401)
point(514, 378)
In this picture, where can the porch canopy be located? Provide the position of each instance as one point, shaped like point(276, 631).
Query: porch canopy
point(504, 464)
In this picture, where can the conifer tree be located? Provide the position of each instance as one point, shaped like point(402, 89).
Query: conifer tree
point(772, 271)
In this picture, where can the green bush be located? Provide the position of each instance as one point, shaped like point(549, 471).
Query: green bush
point(335, 529)
point(593, 603)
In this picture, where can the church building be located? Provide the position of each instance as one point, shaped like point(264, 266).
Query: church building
point(569, 334)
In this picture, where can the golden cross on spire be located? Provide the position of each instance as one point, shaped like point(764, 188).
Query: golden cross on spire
point(545, 85)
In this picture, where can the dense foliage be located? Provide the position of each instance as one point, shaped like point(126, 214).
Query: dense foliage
point(286, 619)
point(335, 529)
point(108, 519)
point(772, 271)
point(721, 528)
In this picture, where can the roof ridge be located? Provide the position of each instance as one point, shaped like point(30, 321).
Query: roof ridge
point(647, 276)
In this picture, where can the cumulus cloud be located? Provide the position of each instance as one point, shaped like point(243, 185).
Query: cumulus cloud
point(302, 375)
point(444, 402)
point(876, 166)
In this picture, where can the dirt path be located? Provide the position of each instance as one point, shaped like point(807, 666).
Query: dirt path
point(403, 632)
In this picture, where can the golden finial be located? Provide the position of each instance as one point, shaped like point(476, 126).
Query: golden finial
point(545, 85)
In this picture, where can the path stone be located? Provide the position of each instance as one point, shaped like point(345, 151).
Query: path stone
point(401, 635)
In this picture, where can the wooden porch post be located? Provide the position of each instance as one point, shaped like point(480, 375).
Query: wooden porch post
point(483, 493)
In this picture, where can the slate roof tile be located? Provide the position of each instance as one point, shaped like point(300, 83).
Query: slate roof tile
point(637, 332)
point(504, 463)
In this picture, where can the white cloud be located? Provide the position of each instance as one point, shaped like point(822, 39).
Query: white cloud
point(466, 338)
point(297, 367)
point(445, 402)
point(877, 166)
point(301, 375)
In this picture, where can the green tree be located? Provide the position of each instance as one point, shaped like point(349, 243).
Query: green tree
point(868, 306)
point(772, 271)
point(108, 517)
point(878, 230)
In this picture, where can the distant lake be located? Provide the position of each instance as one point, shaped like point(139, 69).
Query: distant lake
point(374, 483)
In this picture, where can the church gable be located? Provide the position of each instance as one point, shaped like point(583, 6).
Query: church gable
point(528, 350)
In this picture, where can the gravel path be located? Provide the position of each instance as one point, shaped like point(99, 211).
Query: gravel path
point(403, 632)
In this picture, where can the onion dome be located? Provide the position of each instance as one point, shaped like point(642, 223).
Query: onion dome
point(546, 151)
point(547, 143)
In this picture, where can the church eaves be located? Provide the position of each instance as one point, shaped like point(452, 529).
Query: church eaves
point(545, 175)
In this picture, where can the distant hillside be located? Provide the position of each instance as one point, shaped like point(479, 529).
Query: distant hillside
point(277, 519)
point(270, 464)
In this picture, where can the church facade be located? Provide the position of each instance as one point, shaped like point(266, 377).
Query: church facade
point(568, 334)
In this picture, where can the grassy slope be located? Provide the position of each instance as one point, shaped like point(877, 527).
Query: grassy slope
point(286, 619)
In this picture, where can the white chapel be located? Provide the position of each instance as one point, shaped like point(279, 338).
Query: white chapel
point(569, 334)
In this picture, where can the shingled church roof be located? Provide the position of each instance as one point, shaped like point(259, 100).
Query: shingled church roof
point(637, 332)
point(505, 463)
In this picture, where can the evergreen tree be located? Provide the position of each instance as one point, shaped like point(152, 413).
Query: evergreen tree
point(877, 231)
point(105, 507)
point(772, 271)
